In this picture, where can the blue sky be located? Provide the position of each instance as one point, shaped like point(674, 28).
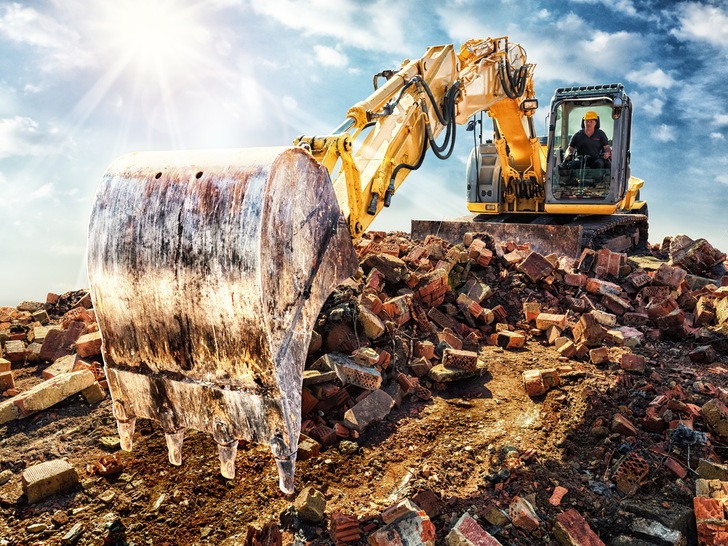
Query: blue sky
point(84, 81)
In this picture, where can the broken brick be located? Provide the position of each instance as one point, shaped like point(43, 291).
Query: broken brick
point(632, 362)
point(571, 529)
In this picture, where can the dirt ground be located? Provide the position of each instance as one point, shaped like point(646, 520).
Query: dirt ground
point(472, 447)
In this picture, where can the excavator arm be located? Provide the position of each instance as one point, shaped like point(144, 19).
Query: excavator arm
point(401, 120)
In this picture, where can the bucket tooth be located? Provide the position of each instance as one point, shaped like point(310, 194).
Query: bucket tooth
point(286, 473)
point(207, 270)
point(226, 453)
point(174, 445)
point(125, 422)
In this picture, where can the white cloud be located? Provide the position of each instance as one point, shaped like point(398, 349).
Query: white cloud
point(376, 26)
point(722, 178)
point(648, 104)
point(664, 133)
point(625, 7)
point(44, 191)
point(613, 51)
point(60, 47)
point(652, 76)
point(703, 23)
point(717, 136)
point(720, 120)
point(22, 137)
point(328, 56)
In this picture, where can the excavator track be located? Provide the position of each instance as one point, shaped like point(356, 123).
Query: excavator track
point(546, 234)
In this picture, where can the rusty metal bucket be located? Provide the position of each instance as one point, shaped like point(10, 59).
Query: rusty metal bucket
point(207, 271)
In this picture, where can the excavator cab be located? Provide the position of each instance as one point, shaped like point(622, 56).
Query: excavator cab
point(588, 181)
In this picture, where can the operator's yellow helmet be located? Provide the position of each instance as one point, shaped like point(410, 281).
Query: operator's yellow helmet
point(591, 115)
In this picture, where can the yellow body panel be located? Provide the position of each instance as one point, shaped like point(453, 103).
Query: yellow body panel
point(581, 208)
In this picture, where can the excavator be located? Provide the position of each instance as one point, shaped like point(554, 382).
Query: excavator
point(208, 268)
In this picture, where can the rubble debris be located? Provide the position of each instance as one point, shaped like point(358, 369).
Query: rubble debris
point(421, 318)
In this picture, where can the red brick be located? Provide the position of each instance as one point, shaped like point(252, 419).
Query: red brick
point(89, 344)
point(425, 349)
point(467, 531)
point(669, 276)
point(599, 355)
point(597, 286)
point(523, 515)
point(535, 267)
point(463, 360)
point(510, 340)
point(573, 530)
point(622, 425)
point(15, 350)
point(557, 495)
point(7, 381)
point(632, 362)
point(531, 310)
point(706, 509)
point(344, 528)
point(575, 279)
point(588, 331)
point(544, 320)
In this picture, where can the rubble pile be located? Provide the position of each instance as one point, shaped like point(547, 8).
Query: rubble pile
point(638, 343)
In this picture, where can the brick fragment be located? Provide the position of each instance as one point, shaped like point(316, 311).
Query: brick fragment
point(414, 528)
point(7, 381)
point(571, 529)
point(703, 354)
point(537, 382)
point(308, 448)
point(715, 414)
point(464, 360)
point(597, 286)
point(531, 310)
point(669, 276)
point(588, 331)
point(467, 532)
point(47, 479)
point(523, 515)
point(398, 510)
point(48, 393)
point(535, 267)
point(557, 495)
point(4, 365)
point(622, 425)
point(344, 528)
point(373, 325)
point(599, 355)
point(632, 362)
point(351, 373)
point(15, 350)
point(544, 320)
point(420, 366)
point(89, 344)
point(510, 340)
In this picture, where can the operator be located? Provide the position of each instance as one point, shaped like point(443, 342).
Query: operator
point(591, 142)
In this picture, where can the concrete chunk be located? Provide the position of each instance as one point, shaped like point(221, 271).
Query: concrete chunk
point(374, 407)
point(47, 479)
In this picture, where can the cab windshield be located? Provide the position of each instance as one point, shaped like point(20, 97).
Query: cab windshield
point(583, 176)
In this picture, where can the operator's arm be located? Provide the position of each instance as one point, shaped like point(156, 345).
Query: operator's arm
point(606, 149)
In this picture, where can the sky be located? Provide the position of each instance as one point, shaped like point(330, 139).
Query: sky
point(85, 81)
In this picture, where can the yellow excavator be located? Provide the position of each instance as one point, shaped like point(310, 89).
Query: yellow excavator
point(208, 268)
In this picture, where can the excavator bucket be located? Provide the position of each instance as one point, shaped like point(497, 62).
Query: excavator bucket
point(208, 270)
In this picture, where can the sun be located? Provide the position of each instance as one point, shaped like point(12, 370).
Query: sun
point(151, 37)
